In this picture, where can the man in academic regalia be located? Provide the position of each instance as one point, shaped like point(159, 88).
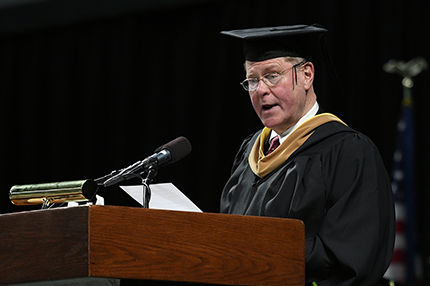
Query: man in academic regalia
point(309, 165)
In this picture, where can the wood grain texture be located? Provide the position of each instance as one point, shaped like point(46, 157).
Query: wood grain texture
point(196, 247)
point(43, 245)
point(136, 243)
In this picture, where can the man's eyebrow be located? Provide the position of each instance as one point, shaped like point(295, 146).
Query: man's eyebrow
point(265, 70)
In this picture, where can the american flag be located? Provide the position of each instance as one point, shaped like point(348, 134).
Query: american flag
point(405, 266)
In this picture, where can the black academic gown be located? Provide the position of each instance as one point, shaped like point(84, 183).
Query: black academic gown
point(337, 185)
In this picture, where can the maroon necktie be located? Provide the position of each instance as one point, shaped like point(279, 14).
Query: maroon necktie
point(273, 145)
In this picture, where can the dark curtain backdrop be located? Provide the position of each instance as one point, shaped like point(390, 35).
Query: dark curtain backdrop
point(83, 98)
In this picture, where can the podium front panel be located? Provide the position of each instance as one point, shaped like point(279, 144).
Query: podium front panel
point(196, 247)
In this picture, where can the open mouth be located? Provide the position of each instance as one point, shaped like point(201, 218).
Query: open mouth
point(268, 106)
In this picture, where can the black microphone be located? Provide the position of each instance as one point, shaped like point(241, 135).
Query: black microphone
point(164, 155)
point(178, 149)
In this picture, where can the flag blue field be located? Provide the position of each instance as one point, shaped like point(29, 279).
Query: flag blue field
point(405, 265)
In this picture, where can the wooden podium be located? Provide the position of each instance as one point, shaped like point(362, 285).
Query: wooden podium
point(145, 244)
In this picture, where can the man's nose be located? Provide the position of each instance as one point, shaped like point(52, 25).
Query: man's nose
point(262, 88)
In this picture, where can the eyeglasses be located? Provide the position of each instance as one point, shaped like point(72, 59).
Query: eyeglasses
point(270, 79)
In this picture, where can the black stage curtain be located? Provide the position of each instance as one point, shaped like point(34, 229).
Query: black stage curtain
point(81, 99)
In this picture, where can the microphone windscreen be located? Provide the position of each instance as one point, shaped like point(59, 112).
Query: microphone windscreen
point(178, 148)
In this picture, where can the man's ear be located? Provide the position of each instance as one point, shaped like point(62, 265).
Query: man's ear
point(309, 73)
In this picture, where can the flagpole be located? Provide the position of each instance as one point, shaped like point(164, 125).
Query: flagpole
point(404, 265)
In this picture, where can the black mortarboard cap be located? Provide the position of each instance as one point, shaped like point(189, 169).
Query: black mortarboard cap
point(272, 42)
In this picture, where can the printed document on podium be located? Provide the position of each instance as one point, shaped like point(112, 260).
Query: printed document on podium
point(164, 196)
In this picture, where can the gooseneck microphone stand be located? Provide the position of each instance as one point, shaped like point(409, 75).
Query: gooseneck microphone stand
point(152, 172)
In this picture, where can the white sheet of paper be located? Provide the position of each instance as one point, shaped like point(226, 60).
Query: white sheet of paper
point(164, 196)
